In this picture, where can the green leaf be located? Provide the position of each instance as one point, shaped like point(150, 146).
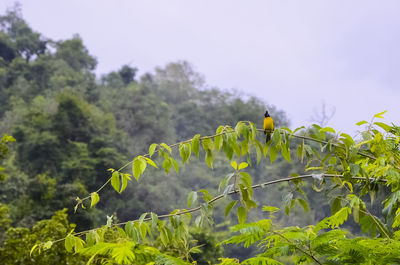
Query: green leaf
point(247, 181)
point(354, 169)
point(142, 217)
point(304, 204)
point(229, 207)
point(192, 198)
point(225, 181)
point(48, 245)
point(379, 115)
point(276, 137)
point(218, 141)
point(78, 244)
point(138, 167)
point(167, 164)
point(175, 165)
point(208, 144)
point(242, 214)
point(154, 219)
point(209, 159)
point(259, 150)
point(115, 181)
point(150, 162)
point(245, 147)
point(234, 165)
point(166, 147)
point(125, 178)
point(327, 129)
point(361, 123)
point(152, 149)
point(196, 144)
point(347, 139)
point(69, 243)
point(285, 152)
point(270, 209)
point(94, 196)
point(383, 126)
point(273, 153)
point(185, 151)
point(33, 249)
point(243, 165)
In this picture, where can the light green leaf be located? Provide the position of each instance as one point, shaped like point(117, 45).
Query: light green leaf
point(138, 167)
point(327, 129)
point(125, 178)
point(242, 214)
point(234, 165)
point(229, 207)
point(150, 162)
point(166, 147)
point(383, 126)
point(94, 196)
point(361, 123)
point(243, 165)
point(167, 164)
point(379, 115)
point(208, 144)
point(115, 181)
point(185, 151)
point(152, 149)
point(270, 209)
point(33, 249)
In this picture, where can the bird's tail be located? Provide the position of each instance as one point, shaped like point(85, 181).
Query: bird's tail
point(268, 137)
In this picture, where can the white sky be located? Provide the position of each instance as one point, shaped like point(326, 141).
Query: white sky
point(292, 54)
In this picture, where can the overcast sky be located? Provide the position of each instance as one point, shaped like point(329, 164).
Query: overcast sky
point(292, 54)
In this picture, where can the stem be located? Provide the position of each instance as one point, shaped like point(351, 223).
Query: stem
point(298, 248)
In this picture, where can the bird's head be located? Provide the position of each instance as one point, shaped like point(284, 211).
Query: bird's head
point(266, 114)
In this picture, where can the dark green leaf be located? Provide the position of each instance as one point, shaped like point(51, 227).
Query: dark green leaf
point(196, 144)
point(229, 207)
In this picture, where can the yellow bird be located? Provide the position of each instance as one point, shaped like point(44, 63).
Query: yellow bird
point(268, 126)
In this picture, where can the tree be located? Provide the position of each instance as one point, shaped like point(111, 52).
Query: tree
point(351, 168)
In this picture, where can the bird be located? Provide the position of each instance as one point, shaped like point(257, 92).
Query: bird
point(268, 126)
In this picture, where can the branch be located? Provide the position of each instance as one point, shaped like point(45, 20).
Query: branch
point(260, 185)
